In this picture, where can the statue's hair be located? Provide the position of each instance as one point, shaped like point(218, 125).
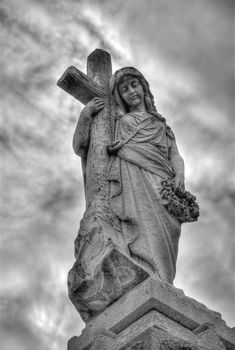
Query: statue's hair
point(116, 80)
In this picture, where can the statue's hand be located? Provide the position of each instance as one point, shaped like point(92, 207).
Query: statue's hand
point(114, 146)
point(179, 183)
point(94, 106)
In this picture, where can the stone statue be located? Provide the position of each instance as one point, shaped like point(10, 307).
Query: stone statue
point(134, 186)
point(144, 151)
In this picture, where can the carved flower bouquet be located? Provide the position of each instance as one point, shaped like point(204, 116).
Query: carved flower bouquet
point(181, 205)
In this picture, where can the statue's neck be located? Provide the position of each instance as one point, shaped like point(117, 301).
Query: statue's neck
point(139, 108)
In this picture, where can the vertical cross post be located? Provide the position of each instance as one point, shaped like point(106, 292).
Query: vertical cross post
point(99, 69)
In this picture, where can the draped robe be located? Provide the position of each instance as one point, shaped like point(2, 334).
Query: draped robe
point(149, 233)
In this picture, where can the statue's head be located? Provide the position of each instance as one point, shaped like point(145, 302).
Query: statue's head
point(132, 74)
point(131, 92)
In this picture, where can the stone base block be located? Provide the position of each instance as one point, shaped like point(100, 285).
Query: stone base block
point(155, 315)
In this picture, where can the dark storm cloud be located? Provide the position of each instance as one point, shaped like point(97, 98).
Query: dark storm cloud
point(97, 31)
point(206, 273)
point(16, 332)
point(38, 190)
point(194, 37)
point(24, 28)
point(5, 140)
point(33, 293)
point(185, 51)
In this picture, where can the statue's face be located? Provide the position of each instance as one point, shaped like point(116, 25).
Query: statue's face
point(131, 91)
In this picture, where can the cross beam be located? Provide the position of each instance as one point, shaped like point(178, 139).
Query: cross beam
point(80, 86)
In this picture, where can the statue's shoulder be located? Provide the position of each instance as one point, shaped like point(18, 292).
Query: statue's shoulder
point(170, 133)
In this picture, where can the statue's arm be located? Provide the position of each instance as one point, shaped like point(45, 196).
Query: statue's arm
point(178, 166)
point(81, 137)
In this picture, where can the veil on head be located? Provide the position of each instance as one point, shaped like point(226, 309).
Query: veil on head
point(148, 97)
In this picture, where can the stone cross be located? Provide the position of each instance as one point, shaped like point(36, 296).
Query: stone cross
point(84, 88)
point(102, 271)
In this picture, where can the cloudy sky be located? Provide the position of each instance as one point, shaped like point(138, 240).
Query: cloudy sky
point(185, 50)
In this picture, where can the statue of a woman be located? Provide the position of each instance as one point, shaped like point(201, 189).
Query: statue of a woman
point(131, 227)
point(143, 152)
point(146, 152)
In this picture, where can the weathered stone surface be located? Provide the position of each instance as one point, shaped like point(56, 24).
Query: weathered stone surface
point(126, 149)
point(80, 86)
point(130, 226)
point(168, 309)
point(113, 275)
point(148, 333)
point(207, 334)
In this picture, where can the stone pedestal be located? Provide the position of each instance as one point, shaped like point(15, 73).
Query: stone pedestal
point(155, 315)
